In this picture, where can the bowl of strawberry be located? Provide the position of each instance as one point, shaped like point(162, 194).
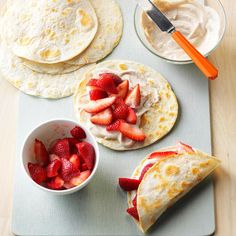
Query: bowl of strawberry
point(60, 156)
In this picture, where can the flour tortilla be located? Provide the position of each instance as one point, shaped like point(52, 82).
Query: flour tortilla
point(110, 25)
point(155, 123)
point(33, 83)
point(49, 31)
point(167, 181)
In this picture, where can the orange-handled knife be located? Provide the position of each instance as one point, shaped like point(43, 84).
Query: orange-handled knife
point(207, 68)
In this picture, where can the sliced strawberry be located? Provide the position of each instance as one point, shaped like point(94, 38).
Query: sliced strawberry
point(128, 184)
point(41, 154)
point(80, 178)
point(134, 201)
point(162, 154)
point(115, 126)
point(87, 153)
point(123, 89)
point(84, 167)
point(117, 80)
point(68, 185)
point(37, 173)
point(185, 147)
point(132, 132)
point(72, 144)
point(103, 117)
point(74, 159)
point(92, 82)
point(53, 168)
point(53, 157)
point(78, 132)
point(134, 97)
point(56, 183)
point(99, 105)
point(145, 169)
point(121, 111)
point(66, 169)
point(96, 94)
point(61, 148)
point(107, 83)
point(133, 212)
point(132, 117)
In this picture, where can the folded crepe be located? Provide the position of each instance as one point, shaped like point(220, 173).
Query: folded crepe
point(162, 178)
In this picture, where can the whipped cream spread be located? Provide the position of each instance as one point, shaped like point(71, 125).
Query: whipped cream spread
point(199, 23)
point(149, 96)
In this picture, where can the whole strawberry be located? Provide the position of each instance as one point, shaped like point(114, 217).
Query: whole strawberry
point(78, 132)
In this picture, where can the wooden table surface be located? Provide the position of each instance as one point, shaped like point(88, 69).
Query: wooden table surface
point(223, 117)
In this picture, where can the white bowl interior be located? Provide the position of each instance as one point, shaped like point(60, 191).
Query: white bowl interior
point(48, 132)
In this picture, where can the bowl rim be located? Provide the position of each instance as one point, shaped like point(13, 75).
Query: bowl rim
point(73, 189)
point(137, 9)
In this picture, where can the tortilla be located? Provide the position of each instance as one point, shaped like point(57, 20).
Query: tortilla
point(33, 83)
point(108, 35)
point(110, 25)
point(167, 181)
point(49, 31)
point(156, 122)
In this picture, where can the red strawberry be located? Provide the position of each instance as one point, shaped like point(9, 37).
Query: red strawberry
point(74, 159)
point(66, 169)
point(123, 89)
point(121, 111)
point(78, 132)
point(185, 147)
point(162, 154)
point(80, 178)
point(99, 105)
point(102, 118)
point(115, 126)
point(97, 94)
point(92, 82)
point(132, 132)
point(132, 117)
point(117, 80)
point(61, 148)
point(134, 97)
point(53, 168)
point(107, 83)
point(145, 169)
point(56, 183)
point(72, 144)
point(37, 173)
point(133, 212)
point(87, 153)
point(41, 154)
point(129, 184)
point(134, 201)
point(84, 167)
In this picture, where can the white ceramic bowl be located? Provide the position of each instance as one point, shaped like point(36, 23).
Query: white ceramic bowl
point(214, 4)
point(48, 132)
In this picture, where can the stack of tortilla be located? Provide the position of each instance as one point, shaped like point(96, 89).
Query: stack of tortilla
point(46, 45)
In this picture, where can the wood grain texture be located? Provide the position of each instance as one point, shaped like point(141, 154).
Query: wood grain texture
point(223, 114)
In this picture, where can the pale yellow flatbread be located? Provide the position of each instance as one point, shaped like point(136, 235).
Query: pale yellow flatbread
point(110, 25)
point(33, 83)
point(168, 180)
point(49, 31)
point(156, 122)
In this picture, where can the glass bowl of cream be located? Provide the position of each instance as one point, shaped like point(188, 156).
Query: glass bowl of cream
point(202, 22)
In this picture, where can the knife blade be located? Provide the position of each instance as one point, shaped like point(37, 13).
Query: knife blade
point(156, 15)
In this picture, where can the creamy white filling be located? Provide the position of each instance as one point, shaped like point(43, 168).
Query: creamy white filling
point(200, 24)
point(149, 96)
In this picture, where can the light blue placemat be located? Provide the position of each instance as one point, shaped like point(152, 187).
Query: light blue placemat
point(99, 209)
